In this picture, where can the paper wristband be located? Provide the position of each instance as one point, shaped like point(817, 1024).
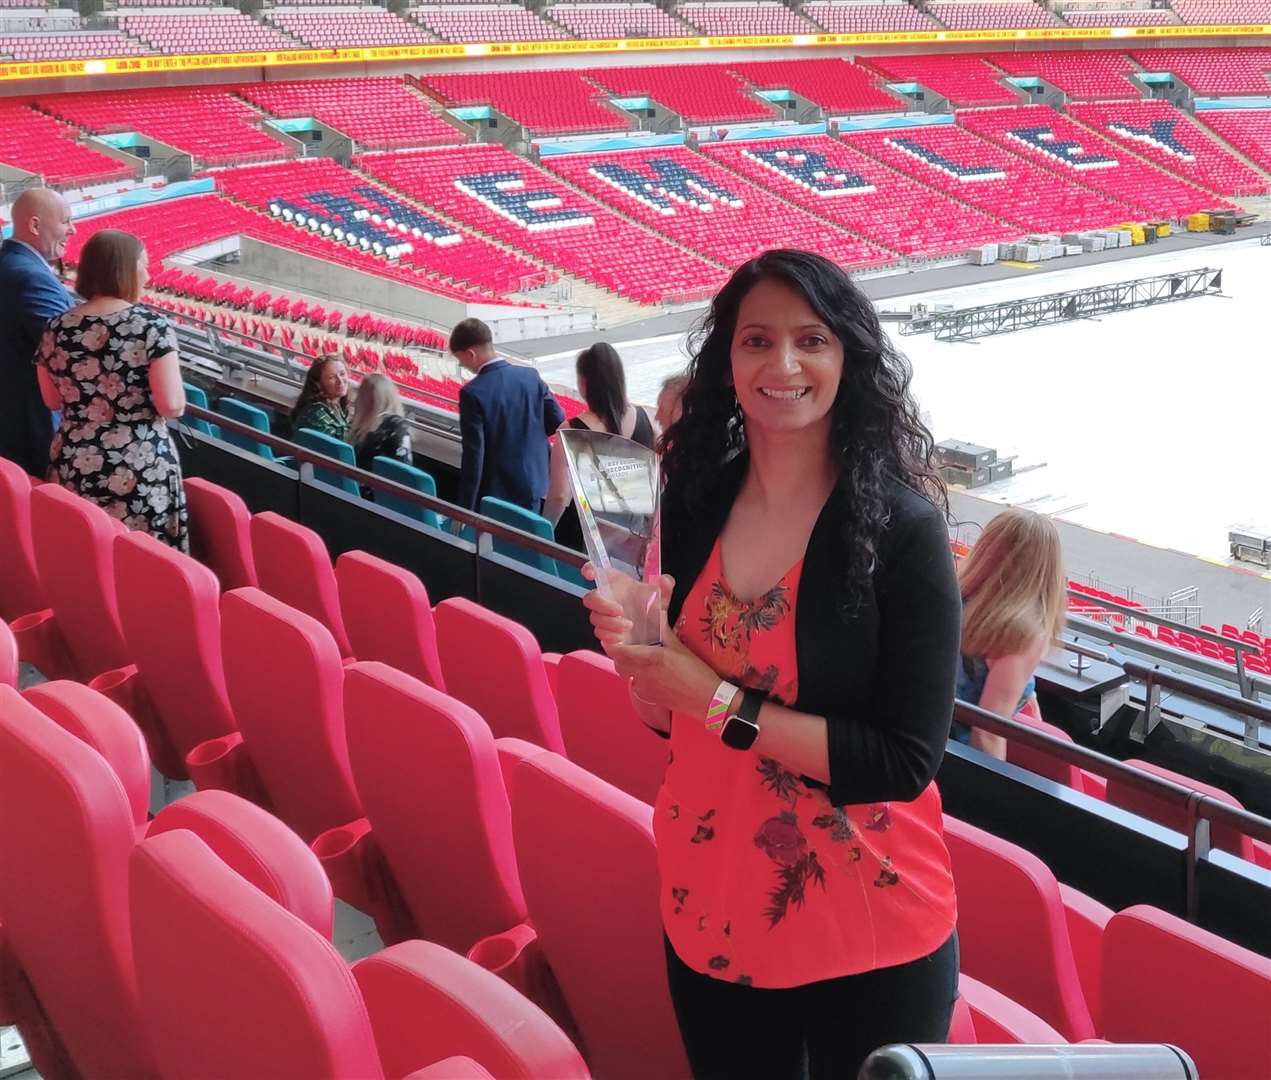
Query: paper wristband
point(718, 710)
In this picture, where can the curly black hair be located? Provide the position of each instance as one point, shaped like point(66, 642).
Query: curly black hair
point(311, 389)
point(876, 432)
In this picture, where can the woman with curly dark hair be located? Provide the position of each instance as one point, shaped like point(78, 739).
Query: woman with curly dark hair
point(807, 687)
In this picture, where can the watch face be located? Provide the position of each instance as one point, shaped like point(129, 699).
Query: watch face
point(739, 733)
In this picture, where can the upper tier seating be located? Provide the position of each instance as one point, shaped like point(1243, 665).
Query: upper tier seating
point(1043, 136)
point(964, 79)
point(1121, 17)
point(222, 32)
point(23, 3)
point(379, 113)
point(1248, 130)
point(636, 20)
point(68, 46)
point(547, 102)
point(208, 122)
point(1224, 12)
point(835, 85)
point(857, 192)
point(705, 207)
point(997, 15)
point(1084, 75)
point(499, 22)
point(578, 235)
point(1216, 71)
point(349, 29)
point(1160, 132)
point(855, 17)
point(700, 93)
point(38, 143)
point(953, 160)
point(743, 17)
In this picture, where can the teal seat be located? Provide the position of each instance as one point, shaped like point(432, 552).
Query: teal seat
point(408, 476)
point(196, 395)
point(519, 518)
point(246, 414)
point(329, 446)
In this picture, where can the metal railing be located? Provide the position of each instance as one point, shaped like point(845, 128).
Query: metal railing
point(1155, 680)
point(932, 1061)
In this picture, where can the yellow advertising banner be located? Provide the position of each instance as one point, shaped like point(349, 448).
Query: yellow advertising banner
point(133, 65)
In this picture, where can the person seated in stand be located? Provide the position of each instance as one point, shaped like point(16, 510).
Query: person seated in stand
point(323, 404)
point(1013, 605)
point(378, 427)
point(603, 386)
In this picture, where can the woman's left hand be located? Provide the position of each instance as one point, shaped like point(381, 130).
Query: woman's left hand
point(667, 675)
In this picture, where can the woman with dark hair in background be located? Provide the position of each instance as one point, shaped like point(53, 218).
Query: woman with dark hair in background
point(807, 687)
point(602, 382)
point(323, 404)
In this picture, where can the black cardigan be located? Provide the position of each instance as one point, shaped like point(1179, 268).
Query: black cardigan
point(884, 675)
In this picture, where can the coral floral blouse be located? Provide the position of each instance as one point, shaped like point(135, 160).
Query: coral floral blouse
point(764, 882)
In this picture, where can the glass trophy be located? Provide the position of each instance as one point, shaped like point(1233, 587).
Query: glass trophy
point(617, 491)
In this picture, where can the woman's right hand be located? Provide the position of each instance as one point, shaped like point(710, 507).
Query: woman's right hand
point(608, 622)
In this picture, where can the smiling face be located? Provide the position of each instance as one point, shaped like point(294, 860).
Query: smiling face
point(786, 363)
point(334, 381)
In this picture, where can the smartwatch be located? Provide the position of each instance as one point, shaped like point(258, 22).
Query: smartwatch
point(741, 728)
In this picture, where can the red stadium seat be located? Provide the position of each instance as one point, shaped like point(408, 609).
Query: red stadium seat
point(8, 656)
point(220, 532)
point(20, 590)
point(1043, 764)
point(1087, 919)
point(272, 990)
point(1165, 980)
point(601, 730)
point(293, 566)
point(428, 773)
point(388, 616)
point(1012, 928)
point(578, 836)
point(983, 1015)
point(473, 642)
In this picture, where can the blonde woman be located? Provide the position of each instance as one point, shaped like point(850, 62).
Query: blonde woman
point(378, 428)
point(1013, 604)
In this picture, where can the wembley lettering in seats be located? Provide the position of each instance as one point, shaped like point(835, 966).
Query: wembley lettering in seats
point(809, 170)
point(960, 171)
point(1159, 133)
point(535, 209)
point(671, 186)
point(1066, 151)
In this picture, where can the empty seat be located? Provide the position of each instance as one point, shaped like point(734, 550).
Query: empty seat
point(74, 552)
point(1087, 919)
point(578, 836)
point(220, 532)
point(519, 518)
point(321, 443)
point(197, 396)
point(8, 656)
point(169, 608)
point(388, 616)
point(473, 642)
point(982, 1015)
point(601, 730)
point(428, 773)
point(20, 589)
point(408, 476)
point(292, 565)
point(1043, 764)
point(245, 414)
point(273, 993)
point(1165, 980)
point(1012, 928)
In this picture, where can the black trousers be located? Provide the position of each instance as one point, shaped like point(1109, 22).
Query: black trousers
point(824, 1030)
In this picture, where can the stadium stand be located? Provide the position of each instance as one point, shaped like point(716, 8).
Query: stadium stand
point(638, 20)
point(700, 93)
point(348, 29)
point(707, 208)
point(1160, 132)
point(1248, 130)
point(997, 15)
point(856, 17)
point(1223, 12)
point(547, 102)
point(1058, 144)
point(378, 113)
point(587, 240)
point(207, 122)
point(68, 46)
point(964, 79)
point(214, 33)
point(40, 144)
point(498, 22)
point(1234, 71)
point(1121, 17)
point(760, 17)
point(1084, 75)
point(836, 85)
point(834, 181)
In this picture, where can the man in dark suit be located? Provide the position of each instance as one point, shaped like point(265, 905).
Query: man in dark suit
point(32, 295)
point(506, 414)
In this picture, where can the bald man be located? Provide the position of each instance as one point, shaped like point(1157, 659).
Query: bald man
point(32, 295)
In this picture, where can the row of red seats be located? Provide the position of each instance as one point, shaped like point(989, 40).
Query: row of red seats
point(963, 78)
point(1212, 70)
point(63, 45)
point(45, 146)
point(1223, 12)
point(226, 31)
point(502, 22)
point(759, 17)
point(1082, 74)
point(547, 102)
point(618, 21)
point(349, 29)
point(997, 15)
point(1121, 17)
point(854, 17)
point(700, 93)
point(330, 742)
point(1248, 130)
point(836, 85)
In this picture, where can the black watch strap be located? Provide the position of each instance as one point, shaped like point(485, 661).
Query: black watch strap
point(751, 702)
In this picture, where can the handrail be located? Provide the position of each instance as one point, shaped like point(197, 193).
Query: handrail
point(1154, 679)
point(940, 1061)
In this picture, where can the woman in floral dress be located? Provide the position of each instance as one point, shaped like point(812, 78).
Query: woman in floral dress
point(111, 367)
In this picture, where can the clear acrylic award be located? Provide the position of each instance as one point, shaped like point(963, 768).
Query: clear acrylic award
point(617, 491)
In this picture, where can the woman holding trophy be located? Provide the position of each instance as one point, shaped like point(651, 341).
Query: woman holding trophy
point(805, 674)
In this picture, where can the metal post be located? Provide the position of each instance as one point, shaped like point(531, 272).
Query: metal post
point(1197, 831)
